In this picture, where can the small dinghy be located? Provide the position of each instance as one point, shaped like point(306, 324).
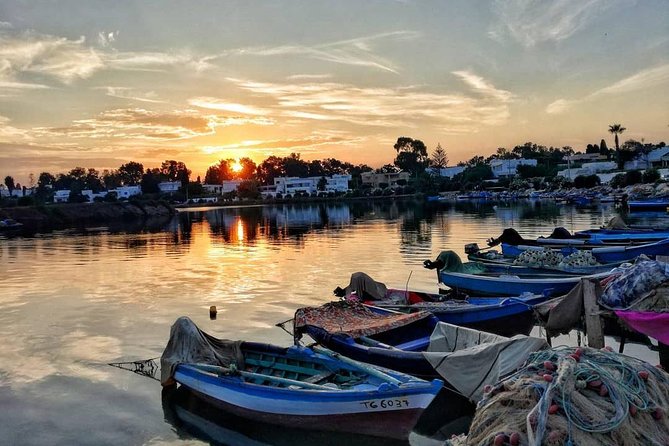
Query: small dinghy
point(295, 386)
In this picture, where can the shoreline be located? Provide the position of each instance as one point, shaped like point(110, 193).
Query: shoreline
point(72, 214)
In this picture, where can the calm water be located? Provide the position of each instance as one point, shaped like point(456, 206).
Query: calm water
point(71, 301)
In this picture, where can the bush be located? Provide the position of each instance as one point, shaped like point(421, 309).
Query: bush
point(586, 181)
point(651, 175)
point(618, 181)
point(633, 177)
point(25, 201)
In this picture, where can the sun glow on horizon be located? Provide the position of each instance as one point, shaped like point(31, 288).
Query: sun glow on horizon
point(236, 166)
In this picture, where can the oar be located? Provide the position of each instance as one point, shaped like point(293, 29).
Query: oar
point(370, 370)
point(374, 343)
point(291, 382)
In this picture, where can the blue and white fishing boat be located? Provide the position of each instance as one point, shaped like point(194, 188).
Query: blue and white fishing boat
point(651, 204)
point(463, 357)
point(603, 254)
point(295, 386)
point(504, 285)
point(505, 316)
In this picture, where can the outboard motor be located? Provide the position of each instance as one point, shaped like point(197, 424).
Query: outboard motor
point(472, 248)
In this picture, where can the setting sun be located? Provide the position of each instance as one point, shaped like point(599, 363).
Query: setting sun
point(236, 167)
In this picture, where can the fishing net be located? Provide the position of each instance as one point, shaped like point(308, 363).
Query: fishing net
point(576, 396)
point(146, 367)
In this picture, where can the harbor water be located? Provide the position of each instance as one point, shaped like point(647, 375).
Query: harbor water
point(72, 301)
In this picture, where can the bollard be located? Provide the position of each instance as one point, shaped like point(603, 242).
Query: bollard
point(212, 312)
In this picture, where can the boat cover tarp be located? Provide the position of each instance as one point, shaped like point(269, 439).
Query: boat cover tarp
point(650, 323)
point(564, 313)
point(616, 223)
point(634, 284)
point(449, 261)
point(188, 345)
point(351, 318)
point(365, 287)
point(469, 359)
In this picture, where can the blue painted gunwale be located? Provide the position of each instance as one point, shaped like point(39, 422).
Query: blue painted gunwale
point(376, 388)
point(509, 285)
point(607, 254)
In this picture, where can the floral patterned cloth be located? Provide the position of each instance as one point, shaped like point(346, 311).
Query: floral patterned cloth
point(351, 318)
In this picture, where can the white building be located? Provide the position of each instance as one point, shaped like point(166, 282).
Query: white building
point(391, 179)
point(223, 188)
point(127, 191)
point(61, 196)
point(336, 183)
point(292, 185)
point(447, 172)
point(509, 167)
point(589, 169)
point(168, 187)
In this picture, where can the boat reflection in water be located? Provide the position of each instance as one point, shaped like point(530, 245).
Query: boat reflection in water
point(194, 418)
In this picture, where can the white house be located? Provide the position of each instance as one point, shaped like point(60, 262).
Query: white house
point(223, 188)
point(127, 191)
point(336, 183)
point(448, 172)
point(659, 158)
point(293, 185)
point(589, 169)
point(392, 179)
point(168, 187)
point(509, 167)
point(61, 196)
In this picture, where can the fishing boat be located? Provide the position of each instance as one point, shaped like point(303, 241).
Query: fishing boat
point(505, 316)
point(651, 204)
point(465, 358)
point(9, 224)
point(593, 238)
point(505, 285)
point(496, 262)
point(603, 254)
point(295, 386)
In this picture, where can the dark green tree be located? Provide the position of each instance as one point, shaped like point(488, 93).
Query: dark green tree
point(131, 173)
point(9, 182)
point(411, 155)
point(439, 158)
point(603, 149)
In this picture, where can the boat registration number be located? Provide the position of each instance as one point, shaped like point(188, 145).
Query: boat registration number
point(386, 403)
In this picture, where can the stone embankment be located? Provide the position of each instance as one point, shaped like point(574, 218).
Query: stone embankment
point(80, 213)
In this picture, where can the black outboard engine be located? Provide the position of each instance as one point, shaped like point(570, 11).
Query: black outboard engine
point(472, 248)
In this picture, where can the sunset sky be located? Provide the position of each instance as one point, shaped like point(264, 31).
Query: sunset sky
point(96, 83)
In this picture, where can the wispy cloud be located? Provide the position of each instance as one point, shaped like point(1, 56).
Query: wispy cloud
point(357, 52)
point(531, 22)
point(11, 133)
point(217, 104)
point(484, 104)
point(273, 146)
point(138, 124)
point(648, 78)
point(132, 94)
point(67, 60)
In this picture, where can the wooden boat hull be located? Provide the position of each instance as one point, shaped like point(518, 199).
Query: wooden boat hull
point(505, 316)
point(395, 424)
point(509, 286)
point(385, 410)
point(608, 254)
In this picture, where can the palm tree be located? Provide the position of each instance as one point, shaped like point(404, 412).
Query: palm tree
point(617, 129)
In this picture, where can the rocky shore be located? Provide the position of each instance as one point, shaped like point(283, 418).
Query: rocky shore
point(58, 215)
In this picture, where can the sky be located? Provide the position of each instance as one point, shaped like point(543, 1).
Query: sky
point(96, 83)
